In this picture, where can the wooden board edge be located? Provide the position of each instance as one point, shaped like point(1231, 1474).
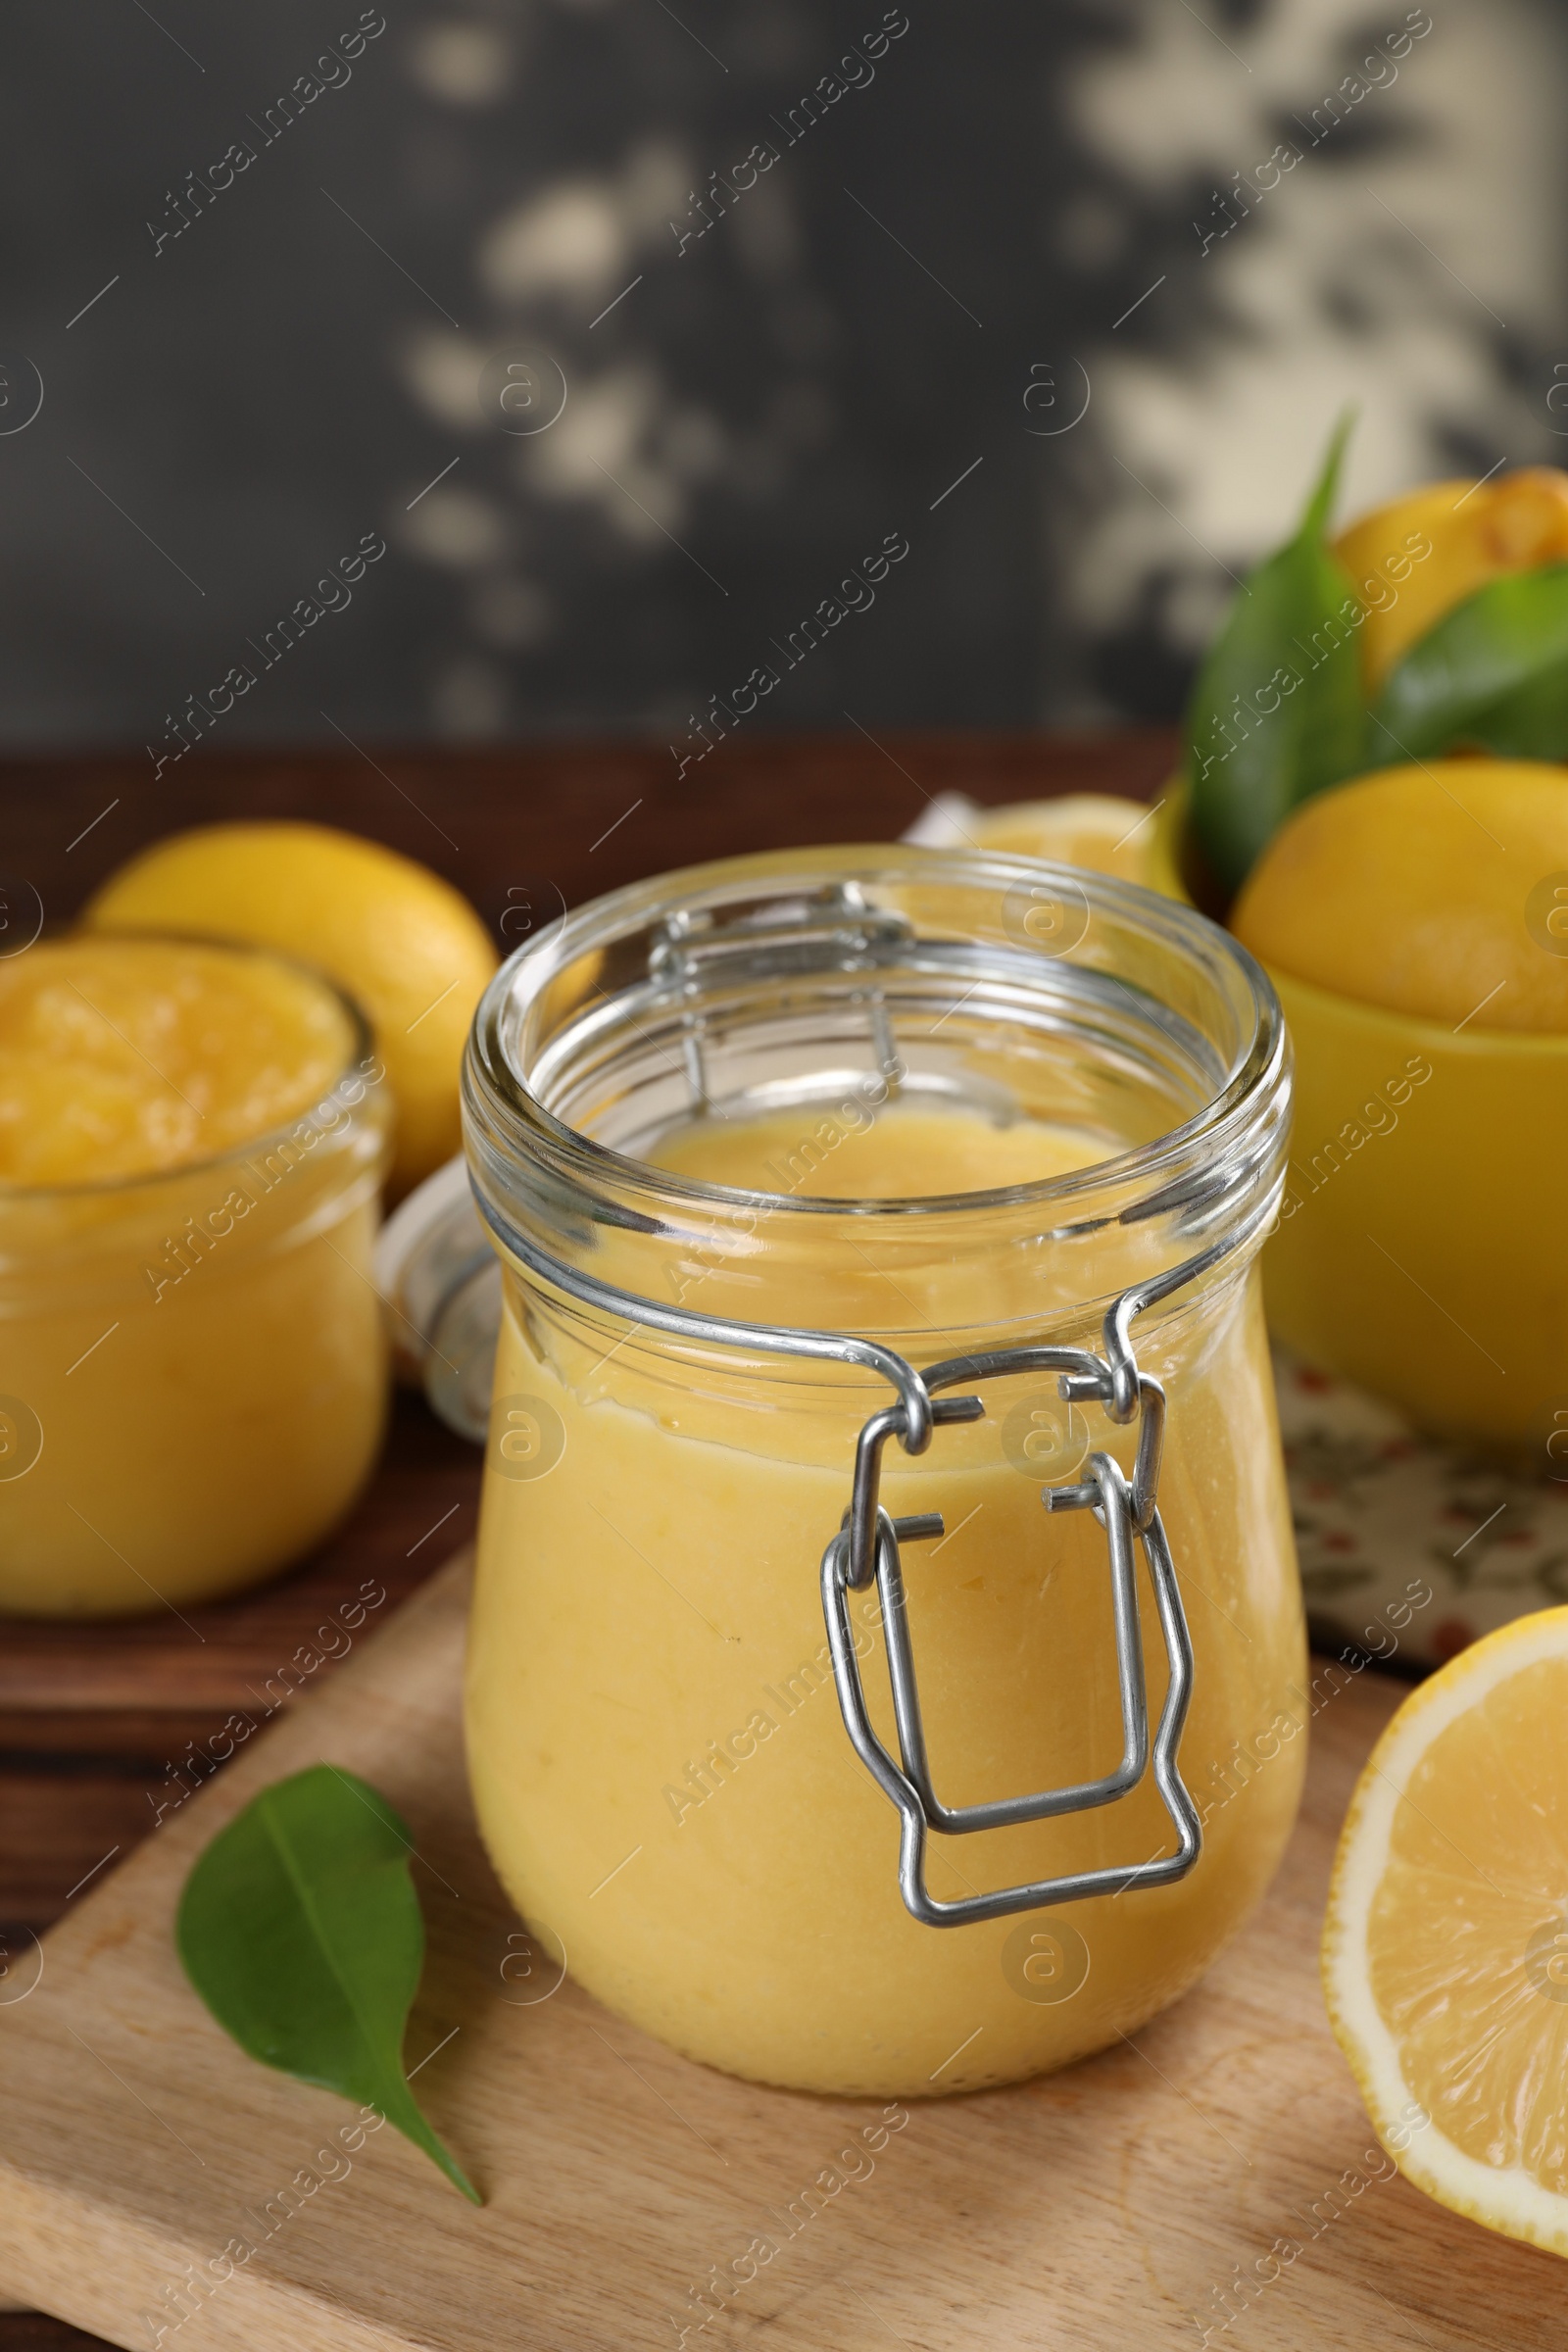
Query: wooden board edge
point(44, 2258)
point(54, 2282)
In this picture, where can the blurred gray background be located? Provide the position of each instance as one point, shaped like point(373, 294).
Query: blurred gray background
point(1019, 285)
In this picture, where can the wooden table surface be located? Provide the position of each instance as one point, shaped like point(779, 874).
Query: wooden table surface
point(95, 1721)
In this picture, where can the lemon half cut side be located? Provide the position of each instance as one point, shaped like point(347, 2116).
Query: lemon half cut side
point(1445, 1944)
point(1109, 836)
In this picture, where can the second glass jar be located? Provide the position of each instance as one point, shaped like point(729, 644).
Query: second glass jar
point(193, 1369)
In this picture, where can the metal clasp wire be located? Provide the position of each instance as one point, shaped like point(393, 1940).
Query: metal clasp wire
point(867, 1547)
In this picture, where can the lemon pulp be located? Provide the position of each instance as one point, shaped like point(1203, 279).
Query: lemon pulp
point(1446, 1949)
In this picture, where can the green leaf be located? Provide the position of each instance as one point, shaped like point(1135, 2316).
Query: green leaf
point(1277, 711)
point(299, 1928)
point(1530, 724)
point(1493, 672)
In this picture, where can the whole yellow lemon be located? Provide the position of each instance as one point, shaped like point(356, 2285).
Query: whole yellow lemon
point(1439, 890)
point(403, 944)
point(1414, 559)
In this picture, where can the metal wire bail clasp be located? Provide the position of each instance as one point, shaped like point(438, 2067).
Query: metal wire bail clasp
point(867, 1547)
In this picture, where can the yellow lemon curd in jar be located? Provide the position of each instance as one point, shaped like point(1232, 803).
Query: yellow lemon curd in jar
point(662, 1772)
point(191, 1364)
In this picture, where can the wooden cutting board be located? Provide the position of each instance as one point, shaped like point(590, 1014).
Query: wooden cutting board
point(1113, 2205)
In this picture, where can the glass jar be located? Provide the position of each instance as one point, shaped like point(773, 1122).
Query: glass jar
point(192, 1364)
point(682, 1734)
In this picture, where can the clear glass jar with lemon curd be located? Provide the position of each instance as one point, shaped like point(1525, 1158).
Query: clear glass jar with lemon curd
point(192, 1365)
point(855, 1710)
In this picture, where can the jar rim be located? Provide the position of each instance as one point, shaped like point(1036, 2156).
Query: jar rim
point(361, 1054)
point(497, 1093)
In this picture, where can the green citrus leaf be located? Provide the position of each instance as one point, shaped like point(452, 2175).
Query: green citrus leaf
point(1531, 722)
point(1277, 711)
point(1493, 672)
point(300, 1929)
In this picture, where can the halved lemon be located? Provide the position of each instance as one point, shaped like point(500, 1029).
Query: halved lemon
point(1446, 1946)
point(1083, 829)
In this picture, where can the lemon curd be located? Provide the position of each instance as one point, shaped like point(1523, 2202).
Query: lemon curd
point(905, 1151)
point(191, 1364)
point(407, 947)
point(658, 1757)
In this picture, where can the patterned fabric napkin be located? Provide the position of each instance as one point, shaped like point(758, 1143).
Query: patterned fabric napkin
point(1409, 1549)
